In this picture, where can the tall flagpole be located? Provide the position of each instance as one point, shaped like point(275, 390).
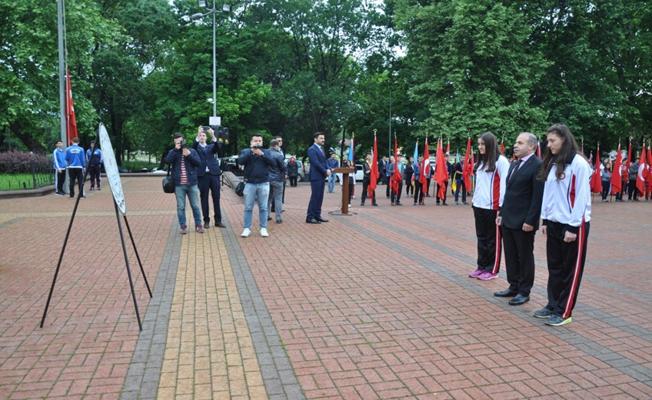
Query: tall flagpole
point(62, 72)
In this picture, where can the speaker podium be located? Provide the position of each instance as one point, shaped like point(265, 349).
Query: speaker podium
point(344, 209)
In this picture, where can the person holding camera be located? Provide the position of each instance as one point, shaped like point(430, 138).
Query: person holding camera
point(184, 163)
point(257, 163)
point(208, 174)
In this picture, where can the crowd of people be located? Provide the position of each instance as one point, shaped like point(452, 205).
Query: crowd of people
point(512, 199)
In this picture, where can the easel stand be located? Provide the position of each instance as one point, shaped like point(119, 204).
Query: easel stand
point(124, 251)
point(344, 209)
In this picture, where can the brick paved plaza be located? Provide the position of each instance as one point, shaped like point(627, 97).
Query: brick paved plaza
point(371, 306)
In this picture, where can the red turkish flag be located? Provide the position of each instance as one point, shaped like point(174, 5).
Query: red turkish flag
point(71, 121)
point(396, 176)
point(642, 172)
point(373, 175)
point(441, 171)
point(596, 181)
point(616, 178)
point(424, 168)
point(467, 167)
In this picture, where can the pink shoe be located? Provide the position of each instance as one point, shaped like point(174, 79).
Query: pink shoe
point(476, 273)
point(487, 276)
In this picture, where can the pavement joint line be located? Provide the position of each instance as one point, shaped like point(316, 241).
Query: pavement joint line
point(259, 322)
point(606, 355)
point(146, 357)
point(637, 294)
point(610, 319)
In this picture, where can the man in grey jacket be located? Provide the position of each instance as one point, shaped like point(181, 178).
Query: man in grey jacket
point(276, 179)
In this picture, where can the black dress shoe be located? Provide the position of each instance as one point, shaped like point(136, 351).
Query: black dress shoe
point(505, 293)
point(320, 219)
point(220, 225)
point(312, 221)
point(518, 300)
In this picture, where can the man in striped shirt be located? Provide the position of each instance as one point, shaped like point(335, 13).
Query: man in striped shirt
point(184, 163)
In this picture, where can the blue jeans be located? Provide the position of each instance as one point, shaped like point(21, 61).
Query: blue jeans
point(276, 196)
point(192, 191)
point(259, 193)
point(331, 183)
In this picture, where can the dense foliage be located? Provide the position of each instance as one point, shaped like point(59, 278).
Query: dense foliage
point(440, 68)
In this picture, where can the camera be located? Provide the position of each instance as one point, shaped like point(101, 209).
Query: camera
point(256, 146)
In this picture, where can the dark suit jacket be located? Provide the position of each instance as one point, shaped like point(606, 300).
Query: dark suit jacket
point(207, 158)
point(317, 163)
point(523, 195)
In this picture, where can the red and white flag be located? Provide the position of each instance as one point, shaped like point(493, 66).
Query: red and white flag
point(467, 167)
point(596, 180)
point(373, 174)
point(441, 171)
point(424, 169)
point(71, 121)
point(616, 177)
point(642, 172)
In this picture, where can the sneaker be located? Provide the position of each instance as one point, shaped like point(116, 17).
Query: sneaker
point(476, 273)
point(183, 230)
point(543, 313)
point(207, 225)
point(245, 232)
point(487, 276)
point(263, 232)
point(199, 229)
point(557, 320)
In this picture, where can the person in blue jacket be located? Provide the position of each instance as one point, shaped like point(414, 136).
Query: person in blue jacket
point(209, 174)
point(76, 162)
point(318, 173)
point(94, 161)
point(59, 163)
point(184, 163)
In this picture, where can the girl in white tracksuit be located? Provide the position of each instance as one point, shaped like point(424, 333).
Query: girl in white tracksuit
point(490, 178)
point(566, 213)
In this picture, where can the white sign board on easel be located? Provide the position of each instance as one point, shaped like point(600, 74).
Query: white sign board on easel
point(111, 168)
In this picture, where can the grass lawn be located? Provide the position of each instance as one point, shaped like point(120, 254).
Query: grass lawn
point(25, 181)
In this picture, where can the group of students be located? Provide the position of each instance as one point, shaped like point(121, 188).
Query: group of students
point(509, 201)
point(628, 176)
point(74, 160)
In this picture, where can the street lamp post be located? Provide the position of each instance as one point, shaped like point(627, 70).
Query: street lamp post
point(214, 119)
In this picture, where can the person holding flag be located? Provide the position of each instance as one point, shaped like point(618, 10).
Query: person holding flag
point(467, 170)
point(442, 167)
point(366, 179)
point(566, 215)
point(396, 176)
point(491, 175)
point(617, 176)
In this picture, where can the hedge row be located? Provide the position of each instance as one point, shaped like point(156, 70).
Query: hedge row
point(17, 161)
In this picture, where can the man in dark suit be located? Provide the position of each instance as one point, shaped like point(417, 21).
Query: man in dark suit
point(318, 173)
point(209, 174)
point(519, 219)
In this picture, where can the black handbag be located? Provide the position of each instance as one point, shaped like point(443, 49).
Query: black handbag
point(168, 182)
point(239, 189)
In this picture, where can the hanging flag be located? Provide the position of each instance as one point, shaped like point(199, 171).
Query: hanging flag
point(628, 163)
point(396, 175)
point(640, 177)
point(71, 121)
point(596, 180)
point(467, 167)
point(373, 175)
point(351, 154)
point(441, 171)
point(616, 177)
point(415, 161)
point(424, 169)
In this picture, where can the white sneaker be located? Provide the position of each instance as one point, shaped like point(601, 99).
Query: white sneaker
point(245, 232)
point(263, 232)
